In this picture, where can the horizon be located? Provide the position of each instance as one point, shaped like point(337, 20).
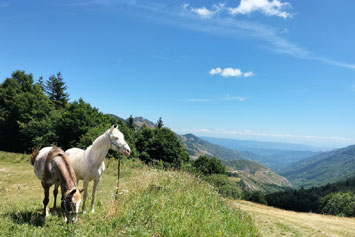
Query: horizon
point(270, 71)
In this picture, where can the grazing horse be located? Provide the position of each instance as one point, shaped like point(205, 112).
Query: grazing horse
point(89, 164)
point(52, 167)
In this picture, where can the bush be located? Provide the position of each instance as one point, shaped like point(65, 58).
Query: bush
point(209, 166)
point(339, 204)
point(160, 145)
point(256, 197)
point(225, 186)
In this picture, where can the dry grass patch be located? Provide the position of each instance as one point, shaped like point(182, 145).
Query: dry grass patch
point(276, 222)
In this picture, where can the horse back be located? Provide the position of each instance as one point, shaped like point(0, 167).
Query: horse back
point(76, 157)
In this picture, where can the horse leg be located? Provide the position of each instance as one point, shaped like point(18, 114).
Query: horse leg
point(94, 189)
point(45, 200)
point(55, 192)
point(86, 184)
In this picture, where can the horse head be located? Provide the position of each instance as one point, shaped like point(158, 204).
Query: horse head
point(70, 204)
point(117, 141)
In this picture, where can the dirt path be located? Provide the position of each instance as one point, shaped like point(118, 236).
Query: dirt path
point(276, 222)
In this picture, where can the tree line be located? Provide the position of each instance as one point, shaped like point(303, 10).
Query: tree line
point(333, 199)
point(39, 113)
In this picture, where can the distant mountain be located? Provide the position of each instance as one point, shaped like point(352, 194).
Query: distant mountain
point(255, 177)
point(196, 146)
point(327, 167)
point(138, 121)
point(245, 145)
point(271, 154)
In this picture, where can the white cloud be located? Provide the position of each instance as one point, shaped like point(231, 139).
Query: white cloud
point(269, 8)
point(197, 100)
point(234, 98)
point(214, 71)
point(225, 98)
point(229, 72)
point(203, 12)
point(249, 74)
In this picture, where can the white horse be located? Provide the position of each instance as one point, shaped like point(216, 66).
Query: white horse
point(89, 164)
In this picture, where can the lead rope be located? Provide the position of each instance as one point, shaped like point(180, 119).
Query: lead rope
point(118, 176)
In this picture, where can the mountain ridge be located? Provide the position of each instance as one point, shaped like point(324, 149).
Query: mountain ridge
point(327, 167)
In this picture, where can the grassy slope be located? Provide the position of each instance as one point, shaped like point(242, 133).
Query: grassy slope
point(276, 222)
point(151, 203)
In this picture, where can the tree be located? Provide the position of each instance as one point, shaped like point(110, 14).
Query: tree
point(25, 113)
point(209, 165)
point(41, 83)
point(161, 144)
point(130, 122)
point(77, 118)
point(55, 89)
point(160, 123)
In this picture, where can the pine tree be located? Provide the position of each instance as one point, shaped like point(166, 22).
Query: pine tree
point(55, 89)
point(41, 83)
point(130, 122)
point(160, 123)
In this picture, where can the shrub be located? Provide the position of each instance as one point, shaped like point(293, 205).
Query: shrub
point(225, 186)
point(209, 165)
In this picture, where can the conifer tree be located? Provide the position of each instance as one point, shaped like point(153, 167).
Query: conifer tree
point(130, 122)
point(55, 89)
point(160, 123)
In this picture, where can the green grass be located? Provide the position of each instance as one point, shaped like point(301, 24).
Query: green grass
point(151, 203)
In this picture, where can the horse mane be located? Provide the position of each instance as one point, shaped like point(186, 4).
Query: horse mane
point(34, 154)
point(56, 151)
point(100, 140)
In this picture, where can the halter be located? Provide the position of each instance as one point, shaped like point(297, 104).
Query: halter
point(113, 143)
point(72, 205)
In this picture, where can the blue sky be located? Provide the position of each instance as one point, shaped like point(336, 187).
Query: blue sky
point(269, 70)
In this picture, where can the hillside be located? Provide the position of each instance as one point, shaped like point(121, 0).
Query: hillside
point(151, 203)
point(196, 146)
point(324, 168)
point(271, 154)
point(255, 177)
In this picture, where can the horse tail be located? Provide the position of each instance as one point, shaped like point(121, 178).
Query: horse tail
point(34, 154)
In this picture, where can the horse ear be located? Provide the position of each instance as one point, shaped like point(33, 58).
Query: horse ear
point(72, 192)
point(113, 126)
